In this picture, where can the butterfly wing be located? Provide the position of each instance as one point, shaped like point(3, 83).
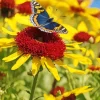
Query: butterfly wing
point(39, 16)
point(40, 19)
point(53, 26)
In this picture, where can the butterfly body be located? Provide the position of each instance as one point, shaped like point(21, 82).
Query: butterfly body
point(41, 19)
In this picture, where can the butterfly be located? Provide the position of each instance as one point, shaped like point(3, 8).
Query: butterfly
point(41, 19)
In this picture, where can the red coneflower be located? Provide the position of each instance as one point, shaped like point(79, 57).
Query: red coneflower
point(38, 43)
point(46, 50)
point(43, 47)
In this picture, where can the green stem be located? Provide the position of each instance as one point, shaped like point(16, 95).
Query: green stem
point(72, 80)
point(54, 83)
point(33, 86)
point(69, 81)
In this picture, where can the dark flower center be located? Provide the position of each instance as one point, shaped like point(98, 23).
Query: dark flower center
point(70, 97)
point(38, 43)
point(82, 37)
point(7, 12)
point(77, 10)
point(94, 68)
point(7, 8)
point(97, 15)
point(80, 1)
point(57, 91)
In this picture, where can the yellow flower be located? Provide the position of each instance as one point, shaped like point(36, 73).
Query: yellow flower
point(18, 19)
point(81, 35)
point(81, 7)
point(46, 3)
point(66, 4)
point(43, 53)
point(98, 61)
point(17, 2)
point(89, 52)
point(84, 33)
point(68, 94)
point(95, 22)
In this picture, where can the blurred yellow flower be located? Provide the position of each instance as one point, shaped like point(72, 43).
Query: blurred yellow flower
point(20, 1)
point(68, 94)
point(97, 39)
point(85, 34)
point(81, 35)
point(63, 11)
point(18, 19)
point(46, 3)
point(13, 7)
